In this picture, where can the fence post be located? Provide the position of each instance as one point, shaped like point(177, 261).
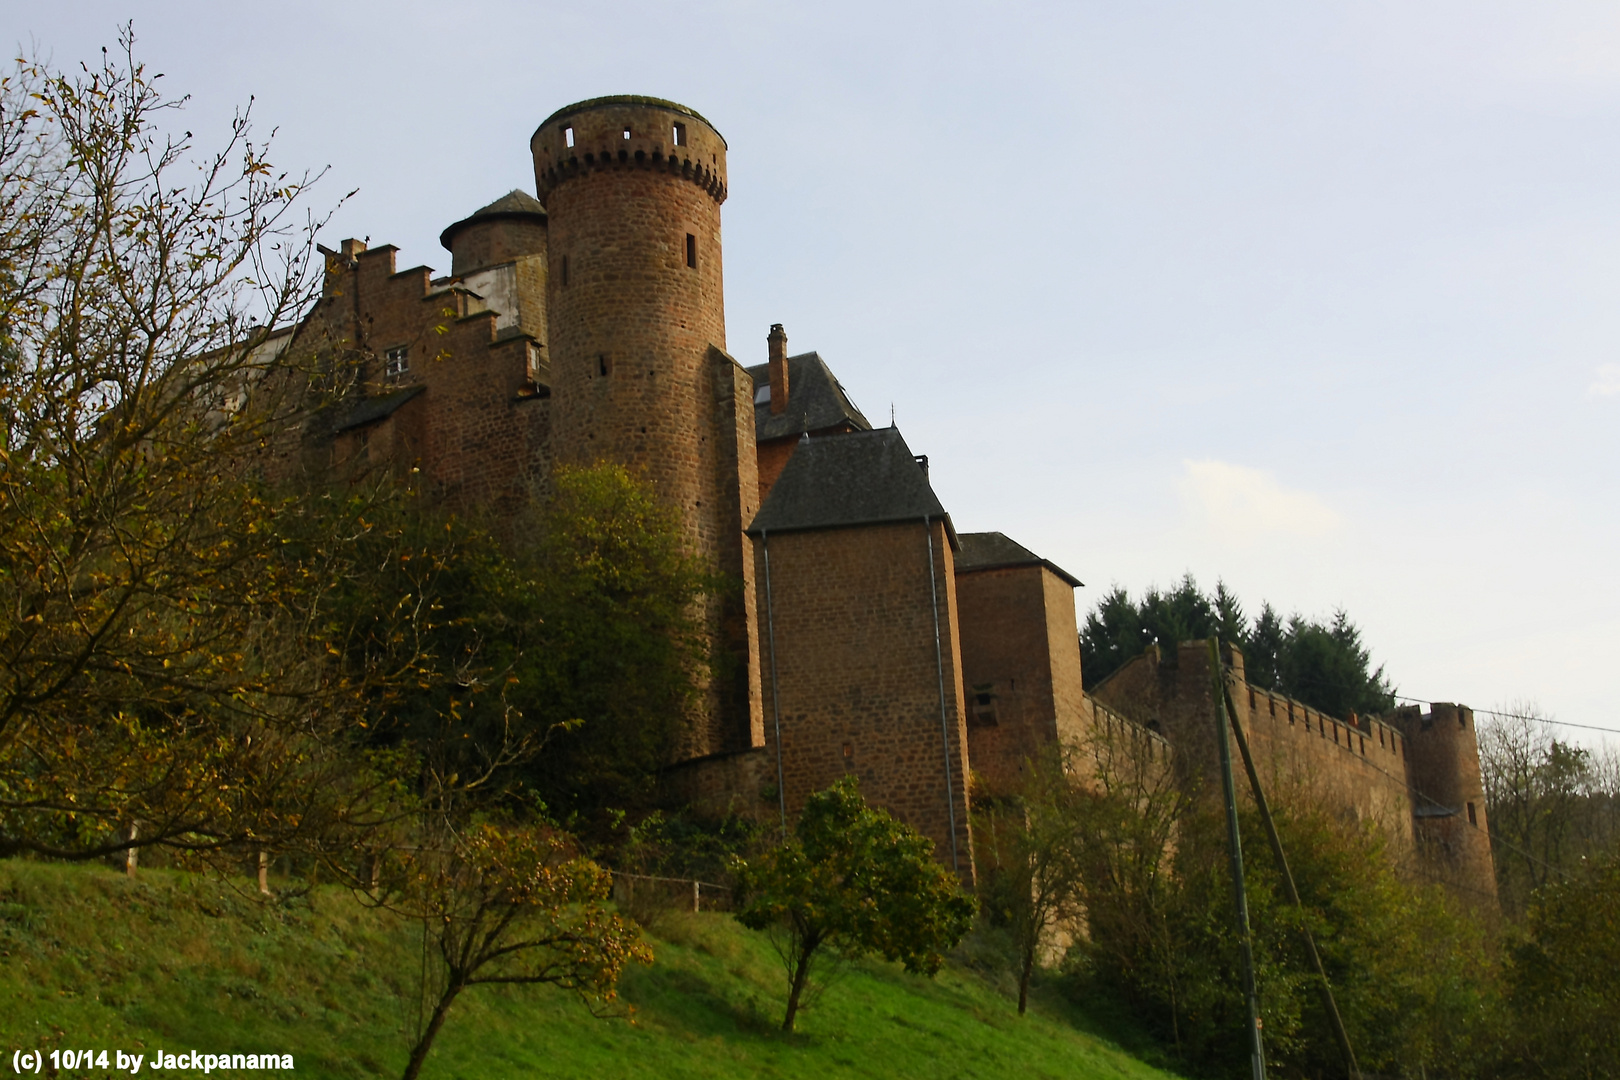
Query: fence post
point(696, 896)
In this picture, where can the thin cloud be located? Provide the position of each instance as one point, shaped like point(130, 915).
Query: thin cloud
point(1241, 504)
point(1607, 383)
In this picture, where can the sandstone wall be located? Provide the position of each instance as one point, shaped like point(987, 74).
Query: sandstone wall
point(857, 678)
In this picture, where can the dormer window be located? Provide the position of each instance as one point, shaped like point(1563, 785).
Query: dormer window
point(762, 394)
point(397, 361)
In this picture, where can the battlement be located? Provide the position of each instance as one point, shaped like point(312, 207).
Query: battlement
point(628, 132)
point(1365, 736)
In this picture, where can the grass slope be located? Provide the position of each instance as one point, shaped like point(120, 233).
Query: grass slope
point(90, 959)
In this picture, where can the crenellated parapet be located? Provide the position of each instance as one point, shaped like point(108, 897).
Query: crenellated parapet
point(628, 132)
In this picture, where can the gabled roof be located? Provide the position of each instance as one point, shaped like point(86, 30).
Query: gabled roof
point(998, 551)
point(514, 204)
point(860, 478)
point(816, 400)
point(370, 410)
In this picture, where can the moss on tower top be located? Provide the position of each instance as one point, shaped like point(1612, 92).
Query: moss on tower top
point(617, 100)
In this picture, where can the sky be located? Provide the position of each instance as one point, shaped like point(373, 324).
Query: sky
point(1318, 300)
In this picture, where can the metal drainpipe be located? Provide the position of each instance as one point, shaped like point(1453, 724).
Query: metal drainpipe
point(944, 724)
point(776, 700)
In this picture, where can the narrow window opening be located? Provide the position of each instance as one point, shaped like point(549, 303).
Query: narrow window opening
point(691, 251)
point(565, 270)
point(680, 134)
point(983, 712)
point(397, 362)
point(568, 135)
point(627, 133)
point(1473, 818)
point(604, 366)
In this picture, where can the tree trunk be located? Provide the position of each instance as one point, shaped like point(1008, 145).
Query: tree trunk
point(1025, 969)
point(419, 1052)
point(801, 975)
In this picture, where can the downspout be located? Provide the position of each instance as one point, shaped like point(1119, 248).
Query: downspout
point(776, 700)
point(939, 667)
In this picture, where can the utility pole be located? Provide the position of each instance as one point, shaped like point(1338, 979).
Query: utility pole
point(1257, 1057)
point(1324, 987)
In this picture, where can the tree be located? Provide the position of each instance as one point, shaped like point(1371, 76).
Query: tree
point(162, 679)
point(1412, 974)
point(851, 881)
point(623, 649)
point(1324, 665)
point(1029, 847)
point(512, 906)
point(1550, 804)
point(1563, 993)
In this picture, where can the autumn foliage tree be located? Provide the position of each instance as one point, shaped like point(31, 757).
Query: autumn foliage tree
point(162, 677)
point(851, 881)
point(511, 905)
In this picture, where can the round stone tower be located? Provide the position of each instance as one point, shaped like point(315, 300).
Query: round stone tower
point(632, 188)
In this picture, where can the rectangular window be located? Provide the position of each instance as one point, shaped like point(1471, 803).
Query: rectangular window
point(1473, 818)
point(568, 134)
point(691, 251)
point(397, 361)
point(604, 366)
point(627, 133)
point(680, 134)
point(565, 270)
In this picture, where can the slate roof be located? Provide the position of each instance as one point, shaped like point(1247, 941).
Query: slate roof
point(370, 410)
point(816, 400)
point(514, 204)
point(998, 551)
point(840, 481)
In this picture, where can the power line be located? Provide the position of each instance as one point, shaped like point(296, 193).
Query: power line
point(1521, 716)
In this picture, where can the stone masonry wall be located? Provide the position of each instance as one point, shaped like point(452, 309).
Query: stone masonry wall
point(1020, 670)
point(858, 678)
point(478, 432)
point(1358, 770)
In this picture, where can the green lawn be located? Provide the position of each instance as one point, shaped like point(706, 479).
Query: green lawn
point(91, 959)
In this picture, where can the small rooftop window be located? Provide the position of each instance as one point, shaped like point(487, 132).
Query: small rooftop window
point(762, 394)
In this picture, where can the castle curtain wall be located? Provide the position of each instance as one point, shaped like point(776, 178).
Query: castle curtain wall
point(857, 678)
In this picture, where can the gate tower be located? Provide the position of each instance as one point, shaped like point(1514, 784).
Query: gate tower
point(639, 375)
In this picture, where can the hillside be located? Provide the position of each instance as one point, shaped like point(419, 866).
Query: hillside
point(90, 959)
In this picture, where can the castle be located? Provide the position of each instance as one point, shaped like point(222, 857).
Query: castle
point(868, 636)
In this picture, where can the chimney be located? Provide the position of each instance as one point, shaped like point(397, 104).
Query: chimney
point(779, 367)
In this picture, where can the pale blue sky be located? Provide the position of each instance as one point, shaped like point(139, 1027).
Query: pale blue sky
point(1318, 298)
